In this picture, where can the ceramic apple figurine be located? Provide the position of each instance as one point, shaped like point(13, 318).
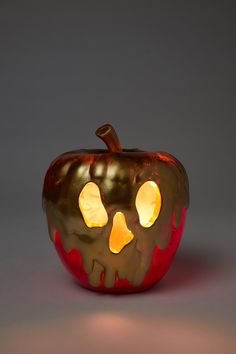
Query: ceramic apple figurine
point(116, 215)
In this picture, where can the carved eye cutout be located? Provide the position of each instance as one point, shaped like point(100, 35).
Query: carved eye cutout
point(148, 203)
point(91, 206)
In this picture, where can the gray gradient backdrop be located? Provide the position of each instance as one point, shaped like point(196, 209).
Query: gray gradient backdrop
point(163, 73)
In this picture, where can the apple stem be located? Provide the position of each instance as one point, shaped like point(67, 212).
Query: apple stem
point(108, 134)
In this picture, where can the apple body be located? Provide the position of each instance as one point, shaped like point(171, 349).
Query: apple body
point(116, 216)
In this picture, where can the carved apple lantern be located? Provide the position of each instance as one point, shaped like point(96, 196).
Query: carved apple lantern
point(116, 215)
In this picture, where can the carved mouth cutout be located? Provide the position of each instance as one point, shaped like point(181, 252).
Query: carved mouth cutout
point(148, 204)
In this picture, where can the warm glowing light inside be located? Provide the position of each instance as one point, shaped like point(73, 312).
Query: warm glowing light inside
point(148, 203)
point(120, 234)
point(91, 206)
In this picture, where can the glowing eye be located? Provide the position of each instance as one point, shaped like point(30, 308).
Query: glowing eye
point(148, 203)
point(91, 206)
